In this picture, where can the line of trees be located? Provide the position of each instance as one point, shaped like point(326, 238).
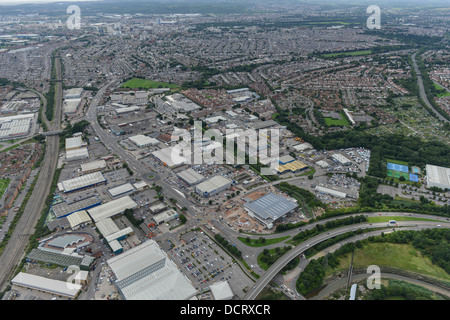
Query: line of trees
point(231, 248)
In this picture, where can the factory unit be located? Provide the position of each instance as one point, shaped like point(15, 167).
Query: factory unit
point(121, 190)
point(341, 159)
point(332, 192)
point(15, 126)
point(93, 166)
point(191, 177)
point(143, 141)
point(146, 272)
point(112, 208)
point(165, 216)
point(83, 182)
point(438, 176)
point(64, 209)
point(213, 186)
point(270, 208)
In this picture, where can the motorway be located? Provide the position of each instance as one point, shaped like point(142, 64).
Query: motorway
point(277, 266)
point(17, 244)
point(423, 95)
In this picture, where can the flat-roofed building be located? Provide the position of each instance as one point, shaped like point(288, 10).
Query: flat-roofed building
point(438, 177)
point(74, 143)
point(221, 290)
point(157, 208)
point(332, 192)
point(83, 182)
point(190, 176)
point(293, 167)
point(145, 272)
point(169, 157)
point(343, 160)
point(270, 208)
point(213, 186)
point(73, 93)
point(165, 216)
point(78, 218)
point(107, 227)
point(70, 106)
point(112, 208)
point(48, 285)
point(141, 185)
point(64, 209)
point(77, 154)
point(143, 141)
point(93, 166)
point(121, 190)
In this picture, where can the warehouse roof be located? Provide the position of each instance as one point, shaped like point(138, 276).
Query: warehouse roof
point(121, 190)
point(119, 234)
point(78, 218)
point(438, 176)
point(271, 206)
point(212, 184)
point(93, 165)
point(107, 227)
point(82, 182)
point(165, 216)
point(332, 192)
point(169, 157)
point(191, 176)
point(74, 143)
point(46, 284)
point(141, 140)
point(221, 290)
point(145, 272)
point(63, 209)
point(77, 154)
point(112, 208)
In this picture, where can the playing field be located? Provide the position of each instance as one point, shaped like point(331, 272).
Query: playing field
point(397, 174)
point(147, 84)
point(3, 185)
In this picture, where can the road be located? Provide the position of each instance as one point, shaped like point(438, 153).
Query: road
point(17, 244)
point(423, 96)
point(277, 266)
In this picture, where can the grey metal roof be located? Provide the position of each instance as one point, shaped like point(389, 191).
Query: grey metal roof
point(271, 206)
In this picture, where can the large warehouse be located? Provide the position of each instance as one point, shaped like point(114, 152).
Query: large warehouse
point(15, 126)
point(112, 208)
point(143, 141)
point(169, 157)
point(56, 287)
point(82, 182)
point(269, 208)
point(438, 177)
point(145, 272)
point(93, 166)
point(190, 176)
point(63, 209)
point(213, 186)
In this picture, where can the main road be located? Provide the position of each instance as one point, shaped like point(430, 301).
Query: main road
point(280, 263)
point(423, 95)
point(18, 242)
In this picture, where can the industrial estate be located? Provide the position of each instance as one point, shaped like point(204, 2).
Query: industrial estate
point(243, 151)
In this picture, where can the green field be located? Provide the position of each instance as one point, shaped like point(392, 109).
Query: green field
point(341, 122)
point(387, 219)
point(397, 174)
point(401, 256)
point(147, 84)
point(257, 243)
point(3, 185)
point(347, 54)
point(397, 162)
point(440, 95)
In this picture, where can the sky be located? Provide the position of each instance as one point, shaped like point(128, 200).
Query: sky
point(13, 2)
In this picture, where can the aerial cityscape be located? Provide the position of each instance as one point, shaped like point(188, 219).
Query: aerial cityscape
point(225, 150)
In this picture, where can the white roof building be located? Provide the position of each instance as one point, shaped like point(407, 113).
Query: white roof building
point(438, 176)
point(107, 227)
point(221, 291)
point(213, 186)
point(332, 192)
point(81, 182)
point(165, 216)
point(170, 157)
point(145, 272)
point(77, 218)
point(74, 143)
point(93, 166)
point(341, 159)
point(111, 208)
point(190, 176)
point(143, 141)
point(121, 190)
point(57, 287)
point(77, 154)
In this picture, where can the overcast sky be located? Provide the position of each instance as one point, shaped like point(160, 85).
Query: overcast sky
point(12, 2)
